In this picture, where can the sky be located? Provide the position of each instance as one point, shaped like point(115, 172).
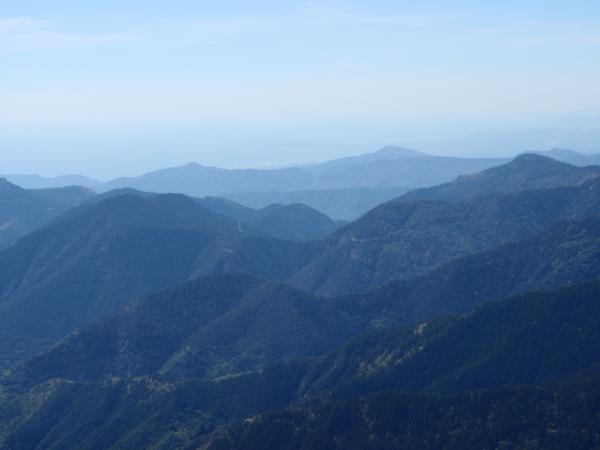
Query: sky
point(122, 87)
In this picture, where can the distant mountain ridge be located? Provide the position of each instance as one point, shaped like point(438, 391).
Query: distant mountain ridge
point(389, 167)
point(389, 153)
point(34, 181)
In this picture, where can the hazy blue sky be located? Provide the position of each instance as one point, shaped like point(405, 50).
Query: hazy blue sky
point(121, 87)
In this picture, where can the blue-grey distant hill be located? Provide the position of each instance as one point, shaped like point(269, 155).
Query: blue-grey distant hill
point(389, 167)
point(34, 181)
point(24, 210)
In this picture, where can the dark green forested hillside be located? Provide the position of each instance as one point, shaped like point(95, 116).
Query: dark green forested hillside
point(211, 327)
point(401, 239)
point(567, 253)
point(531, 339)
point(95, 259)
point(205, 329)
point(556, 417)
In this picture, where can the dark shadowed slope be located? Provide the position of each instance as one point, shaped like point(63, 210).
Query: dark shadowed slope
point(213, 326)
point(566, 254)
point(23, 210)
point(518, 418)
point(503, 344)
point(526, 172)
point(95, 258)
point(401, 239)
point(528, 340)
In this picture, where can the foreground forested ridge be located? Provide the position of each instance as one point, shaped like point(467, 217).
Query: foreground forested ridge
point(514, 342)
point(161, 321)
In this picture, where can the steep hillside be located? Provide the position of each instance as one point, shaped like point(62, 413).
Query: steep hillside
point(401, 239)
point(568, 253)
point(511, 342)
point(527, 418)
point(213, 326)
point(534, 338)
point(232, 323)
point(95, 258)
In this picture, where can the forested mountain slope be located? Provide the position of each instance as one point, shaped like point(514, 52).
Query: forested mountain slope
point(513, 342)
point(95, 259)
point(401, 239)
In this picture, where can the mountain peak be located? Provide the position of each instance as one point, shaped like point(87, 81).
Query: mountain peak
point(192, 165)
point(395, 152)
point(533, 157)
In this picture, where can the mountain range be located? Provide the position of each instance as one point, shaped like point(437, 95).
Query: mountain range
point(97, 257)
point(457, 316)
point(343, 189)
point(228, 324)
point(404, 237)
point(389, 167)
point(120, 244)
point(34, 181)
